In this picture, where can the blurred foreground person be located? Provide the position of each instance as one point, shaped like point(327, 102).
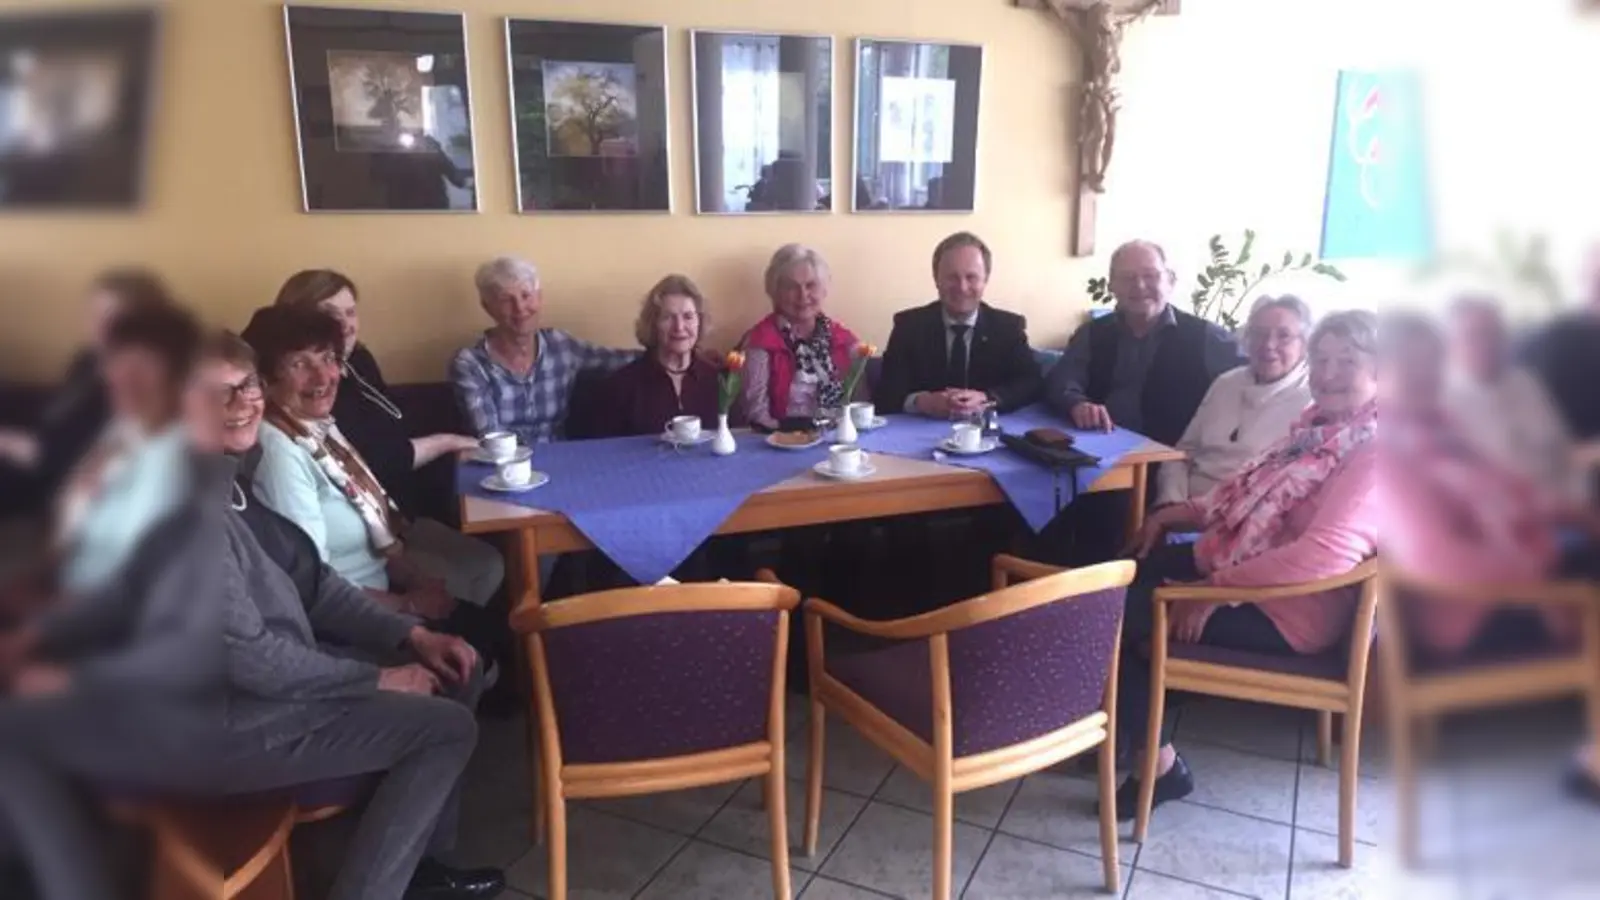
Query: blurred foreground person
point(392, 697)
point(1566, 355)
point(111, 657)
point(34, 461)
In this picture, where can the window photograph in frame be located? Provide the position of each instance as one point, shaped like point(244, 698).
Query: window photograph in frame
point(589, 116)
point(763, 122)
point(916, 126)
point(383, 113)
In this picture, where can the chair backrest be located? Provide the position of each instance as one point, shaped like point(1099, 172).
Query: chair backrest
point(647, 673)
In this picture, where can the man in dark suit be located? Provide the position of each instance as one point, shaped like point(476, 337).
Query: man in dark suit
point(958, 354)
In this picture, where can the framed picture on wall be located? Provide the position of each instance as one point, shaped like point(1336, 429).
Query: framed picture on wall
point(589, 116)
point(916, 135)
point(763, 122)
point(382, 110)
point(75, 97)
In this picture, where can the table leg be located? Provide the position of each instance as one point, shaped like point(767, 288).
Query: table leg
point(1137, 497)
point(526, 592)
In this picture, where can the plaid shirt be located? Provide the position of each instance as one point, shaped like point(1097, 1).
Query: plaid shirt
point(532, 406)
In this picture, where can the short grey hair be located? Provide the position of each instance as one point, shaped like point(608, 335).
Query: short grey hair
point(789, 256)
point(1289, 302)
point(503, 272)
point(1140, 244)
point(1358, 326)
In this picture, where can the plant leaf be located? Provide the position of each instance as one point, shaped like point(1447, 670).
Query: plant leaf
point(1288, 259)
point(1205, 281)
point(1306, 260)
point(1266, 269)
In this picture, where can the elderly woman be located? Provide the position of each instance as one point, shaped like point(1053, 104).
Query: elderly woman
point(364, 408)
point(311, 474)
point(671, 379)
point(1502, 407)
point(519, 377)
point(1248, 409)
point(797, 358)
point(1303, 510)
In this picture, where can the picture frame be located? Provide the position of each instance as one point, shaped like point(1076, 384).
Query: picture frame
point(77, 90)
point(916, 115)
point(382, 110)
point(589, 116)
point(763, 122)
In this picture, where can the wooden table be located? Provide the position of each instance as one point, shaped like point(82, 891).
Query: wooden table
point(901, 486)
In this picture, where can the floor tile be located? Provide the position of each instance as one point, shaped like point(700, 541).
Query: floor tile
point(1253, 727)
point(1014, 869)
point(982, 807)
point(496, 841)
point(1550, 843)
point(1318, 875)
point(685, 812)
point(1242, 782)
point(890, 849)
point(1059, 810)
point(849, 761)
point(822, 888)
point(607, 857)
point(742, 824)
point(1214, 847)
point(705, 872)
point(1151, 886)
point(1317, 806)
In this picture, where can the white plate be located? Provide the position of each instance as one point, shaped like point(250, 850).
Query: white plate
point(989, 444)
point(668, 438)
point(479, 456)
point(877, 422)
point(773, 443)
point(493, 483)
point(826, 471)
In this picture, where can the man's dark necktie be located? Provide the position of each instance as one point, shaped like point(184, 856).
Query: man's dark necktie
point(958, 355)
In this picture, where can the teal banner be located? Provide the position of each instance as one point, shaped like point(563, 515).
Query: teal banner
point(1378, 204)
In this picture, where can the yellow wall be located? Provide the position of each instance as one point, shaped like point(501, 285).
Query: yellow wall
point(224, 221)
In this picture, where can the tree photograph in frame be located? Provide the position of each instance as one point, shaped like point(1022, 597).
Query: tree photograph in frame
point(382, 110)
point(589, 116)
point(916, 136)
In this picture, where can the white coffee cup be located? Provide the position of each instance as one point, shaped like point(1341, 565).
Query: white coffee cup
point(862, 414)
point(684, 428)
point(967, 437)
point(516, 472)
point(846, 459)
point(499, 445)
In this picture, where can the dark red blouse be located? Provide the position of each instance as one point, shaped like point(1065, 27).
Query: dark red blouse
point(639, 398)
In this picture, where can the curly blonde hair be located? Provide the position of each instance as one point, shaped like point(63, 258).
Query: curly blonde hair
point(671, 286)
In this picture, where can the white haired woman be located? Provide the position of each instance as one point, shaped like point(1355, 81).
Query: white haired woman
point(1248, 409)
point(796, 358)
point(519, 377)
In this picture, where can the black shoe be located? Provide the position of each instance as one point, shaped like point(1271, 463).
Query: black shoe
point(1581, 785)
point(1177, 784)
point(436, 881)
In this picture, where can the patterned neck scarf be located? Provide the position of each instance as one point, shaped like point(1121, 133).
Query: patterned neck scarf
point(1246, 515)
point(339, 461)
point(813, 357)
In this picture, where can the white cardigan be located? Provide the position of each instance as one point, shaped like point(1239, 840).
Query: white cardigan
point(1513, 421)
point(1237, 420)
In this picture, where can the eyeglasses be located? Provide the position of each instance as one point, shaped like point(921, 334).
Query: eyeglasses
point(306, 361)
point(1271, 335)
point(248, 389)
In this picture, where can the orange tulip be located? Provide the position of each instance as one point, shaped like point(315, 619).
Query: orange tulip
point(734, 360)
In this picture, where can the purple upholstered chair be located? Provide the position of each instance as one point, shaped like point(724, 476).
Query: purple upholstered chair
point(981, 692)
point(656, 689)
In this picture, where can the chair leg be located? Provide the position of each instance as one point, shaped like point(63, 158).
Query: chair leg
point(1108, 812)
point(1349, 769)
point(778, 822)
point(944, 811)
point(1403, 749)
point(1152, 753)
point(818, 726)
point(1325, 739)
point(539, 816)
point(558, 849)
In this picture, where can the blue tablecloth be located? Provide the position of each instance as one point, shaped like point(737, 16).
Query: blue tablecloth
point(642, 503)
point(1039, 494)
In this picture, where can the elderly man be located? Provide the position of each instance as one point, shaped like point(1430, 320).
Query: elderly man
point(519, 377)
point(1563, 354)
point(958, 354)
point(1147, 367)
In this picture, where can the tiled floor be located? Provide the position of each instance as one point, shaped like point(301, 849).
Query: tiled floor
point(1261, 824)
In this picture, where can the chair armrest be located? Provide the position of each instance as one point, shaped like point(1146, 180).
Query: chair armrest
point(1542, 593)
point(1210, 594)
point(1008, 570)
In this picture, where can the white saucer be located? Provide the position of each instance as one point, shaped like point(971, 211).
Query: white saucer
point(493, 483)
point(668, 438)
point(479, 456)
point(825, 469)
point(772, 442)
point(988, 445)
point(877, 422)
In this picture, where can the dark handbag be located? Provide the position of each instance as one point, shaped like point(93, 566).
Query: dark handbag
point(1053, 450)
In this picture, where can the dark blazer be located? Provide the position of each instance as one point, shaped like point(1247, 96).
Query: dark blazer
point(1000, 363)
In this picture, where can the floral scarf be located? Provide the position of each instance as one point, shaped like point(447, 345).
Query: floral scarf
point(813, 357)
point(343, 466)
point(1244, 516)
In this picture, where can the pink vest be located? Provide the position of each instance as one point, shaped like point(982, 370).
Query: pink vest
point(766, 336)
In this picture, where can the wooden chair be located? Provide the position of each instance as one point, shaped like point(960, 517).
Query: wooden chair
point(662, 688)
point(985, 691)
point(233, 849)
point(1421, 690)
point(1330, 683)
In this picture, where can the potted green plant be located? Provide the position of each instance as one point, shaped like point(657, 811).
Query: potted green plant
point(1229, 278)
